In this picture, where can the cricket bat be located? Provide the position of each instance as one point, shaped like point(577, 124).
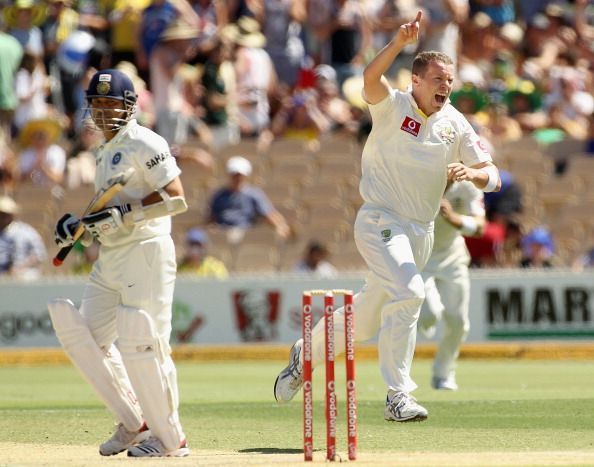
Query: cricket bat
point(113, 186)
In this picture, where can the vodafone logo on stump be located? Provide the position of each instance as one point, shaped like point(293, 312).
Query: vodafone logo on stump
point(411, 126)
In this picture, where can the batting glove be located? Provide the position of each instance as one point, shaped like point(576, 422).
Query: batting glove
point(106, 222)
point(64, 231)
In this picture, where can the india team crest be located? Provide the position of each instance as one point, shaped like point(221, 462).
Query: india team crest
point(257, 314)
point(103, 88)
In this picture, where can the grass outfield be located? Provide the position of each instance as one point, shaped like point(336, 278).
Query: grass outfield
point(507, 412)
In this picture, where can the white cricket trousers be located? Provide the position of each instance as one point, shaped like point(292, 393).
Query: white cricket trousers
point(447, 289)
point(139, 275)
point(395, 249)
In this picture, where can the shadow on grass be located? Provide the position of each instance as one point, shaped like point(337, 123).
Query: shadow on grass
point(271, 451)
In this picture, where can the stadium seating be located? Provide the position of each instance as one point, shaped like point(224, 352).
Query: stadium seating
point(317, 192)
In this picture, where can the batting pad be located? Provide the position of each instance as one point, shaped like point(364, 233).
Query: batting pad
point(152, 374)
point(102, 370)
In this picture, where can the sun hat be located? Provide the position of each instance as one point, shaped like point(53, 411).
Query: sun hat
point(37, 13)
point(179, 30)
point(49, 126)
point(246, 32)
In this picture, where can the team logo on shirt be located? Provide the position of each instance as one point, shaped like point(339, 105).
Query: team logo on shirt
point(447, 135)
point(386, 235)
point(117, 157)
point(411, 126)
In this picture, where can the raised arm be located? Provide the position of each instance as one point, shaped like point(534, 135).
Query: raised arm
point(375, 85)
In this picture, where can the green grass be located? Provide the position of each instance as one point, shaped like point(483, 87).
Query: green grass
point(501, 406)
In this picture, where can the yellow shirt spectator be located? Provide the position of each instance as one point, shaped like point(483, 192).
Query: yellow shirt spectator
point(196, 261)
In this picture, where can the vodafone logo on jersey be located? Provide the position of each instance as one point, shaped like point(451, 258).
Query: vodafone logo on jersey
point(411, 126)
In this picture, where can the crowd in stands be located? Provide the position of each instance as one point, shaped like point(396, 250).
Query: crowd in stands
point(270, 79)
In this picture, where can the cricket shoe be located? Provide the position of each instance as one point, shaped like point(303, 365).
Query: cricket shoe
point(153, 447)
point(402, 407)
point(447, 384)
point(123, 439)
point(289, 381)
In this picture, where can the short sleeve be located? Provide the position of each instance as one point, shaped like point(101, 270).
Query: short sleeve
point(160, 166)
point(386, 106)
point(472, 150)
point(261, 202)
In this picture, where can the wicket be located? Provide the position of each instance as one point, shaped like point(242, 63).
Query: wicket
point(331, 405)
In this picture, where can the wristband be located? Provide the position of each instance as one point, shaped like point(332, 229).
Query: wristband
point(469, 226)
point(493, 175)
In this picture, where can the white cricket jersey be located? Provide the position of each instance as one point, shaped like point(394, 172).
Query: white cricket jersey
point(466, 199)
point(404, 163)
point(149, 154)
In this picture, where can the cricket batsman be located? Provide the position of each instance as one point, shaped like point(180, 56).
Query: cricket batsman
point(119, 337)
point(417, 143)
point(447, 284)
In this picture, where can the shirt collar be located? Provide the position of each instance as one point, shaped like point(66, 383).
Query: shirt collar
point(415, 106)
point(122, 131)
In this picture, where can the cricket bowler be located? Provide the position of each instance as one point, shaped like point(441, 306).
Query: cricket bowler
point(417, 143)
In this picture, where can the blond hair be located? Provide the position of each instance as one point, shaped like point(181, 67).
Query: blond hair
point(423, 59)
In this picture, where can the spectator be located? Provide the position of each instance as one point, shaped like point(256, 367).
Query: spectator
point(537, 249)
point(11, 53)
point(315, 262)
point(219, 82)
point(256, 78)
point(156, 18)
point(32, 88)
point(300, 118)
point(42, 160)
point(349, 33)
point(60, 22)
point(77, 58)
point(500, 12)
point(330, 102)
point(22, 251)
point(214, 15)
point(124, 19)
point(281, 25)
point(485, 250)
point(443, 31)
point(239, 205)
point(23, 19)
point(197, 261)
point(175, 115)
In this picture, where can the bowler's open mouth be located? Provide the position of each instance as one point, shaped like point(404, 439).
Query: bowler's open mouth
point(440, 98)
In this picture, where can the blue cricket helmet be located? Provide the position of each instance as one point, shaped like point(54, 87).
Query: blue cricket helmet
point(112, 84)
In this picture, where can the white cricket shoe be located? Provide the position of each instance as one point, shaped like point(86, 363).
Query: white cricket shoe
point(402, 407)
point(448, 384)
point(289, 381)
point(123, 439)
point(152, 447)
